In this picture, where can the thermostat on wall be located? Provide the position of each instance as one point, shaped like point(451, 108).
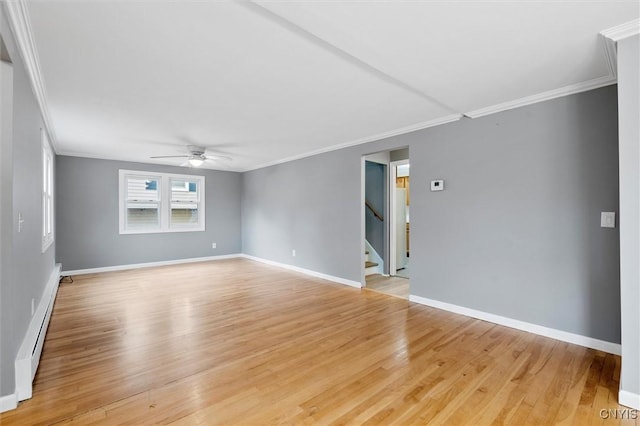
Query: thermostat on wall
point(437, 185)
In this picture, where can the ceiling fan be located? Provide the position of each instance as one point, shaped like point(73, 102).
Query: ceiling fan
point(196, 156)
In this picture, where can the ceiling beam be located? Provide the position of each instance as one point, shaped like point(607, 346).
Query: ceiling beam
point(341, 53)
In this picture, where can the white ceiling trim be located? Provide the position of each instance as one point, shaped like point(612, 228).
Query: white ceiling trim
point(612, 35)
point(571, 89)
point(373, 138)
point(124, 160)
point(611, 54)
point(21, 26)
point(619, 32)
point(101, 157)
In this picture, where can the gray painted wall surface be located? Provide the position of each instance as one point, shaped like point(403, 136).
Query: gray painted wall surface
point(88, 223)
point(629, 106)
point(31, 267)
point(311, 205)
point(516, 232)
point(374, 194)
point(6, 225)
point(400, 154)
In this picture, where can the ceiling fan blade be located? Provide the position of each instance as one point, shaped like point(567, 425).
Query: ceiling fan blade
point(218, 157)
point(171, 156)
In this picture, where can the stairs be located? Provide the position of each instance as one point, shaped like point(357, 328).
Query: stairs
point(370, 268)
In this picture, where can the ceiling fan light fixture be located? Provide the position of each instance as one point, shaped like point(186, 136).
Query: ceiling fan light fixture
point(195, 161)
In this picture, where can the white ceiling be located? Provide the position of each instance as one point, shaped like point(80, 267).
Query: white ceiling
point(269, 81)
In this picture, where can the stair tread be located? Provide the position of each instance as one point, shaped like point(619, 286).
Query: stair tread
point(368, 264)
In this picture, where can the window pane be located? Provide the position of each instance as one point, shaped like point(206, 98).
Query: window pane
point(184, 191)
point(140, 189)
point(45, 174)
point(47, 192)
point(184, 202)
point(179, 185)
point(184, 216)
point(49, 216)
point(142, 217)
point(49, 171)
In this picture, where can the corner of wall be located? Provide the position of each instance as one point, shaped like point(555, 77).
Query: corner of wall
point(8, 402)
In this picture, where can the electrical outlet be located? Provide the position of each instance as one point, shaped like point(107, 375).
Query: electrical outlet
point(608, 219)
point(293, 252)
point(213, 245)
point(20, 222)
point(33, 306)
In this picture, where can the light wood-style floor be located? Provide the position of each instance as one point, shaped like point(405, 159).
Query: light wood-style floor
point(393, 286)
point(239, 342)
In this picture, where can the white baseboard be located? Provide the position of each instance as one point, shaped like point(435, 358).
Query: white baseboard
point(628, 399)
point(28, 356)
point(305, 271)
point(577, 339)
point(564, 336)
point(147, 265)
point(8, 402)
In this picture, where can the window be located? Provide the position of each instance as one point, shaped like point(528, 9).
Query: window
point(184, 203)
point(47, 191)
point(160, 202)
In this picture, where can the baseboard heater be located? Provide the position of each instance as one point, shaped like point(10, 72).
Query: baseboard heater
point(29, 353)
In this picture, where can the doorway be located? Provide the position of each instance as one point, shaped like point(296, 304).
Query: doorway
point(385, 218)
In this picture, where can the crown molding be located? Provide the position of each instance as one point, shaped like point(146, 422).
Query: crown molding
point(622, 31)
point(124, 160)
point(571, 89)
point(610, 38)
point(367, 139)
point(611, 55)
point(20, 23)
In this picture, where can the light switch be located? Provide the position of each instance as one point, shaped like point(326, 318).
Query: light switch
point(608, 220)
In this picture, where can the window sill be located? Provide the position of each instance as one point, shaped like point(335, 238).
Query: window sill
point(161, 231)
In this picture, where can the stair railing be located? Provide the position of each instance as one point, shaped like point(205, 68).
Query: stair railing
point(374, 211)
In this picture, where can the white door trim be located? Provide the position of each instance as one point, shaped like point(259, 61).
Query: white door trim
point(392, 213)
point(363, 232)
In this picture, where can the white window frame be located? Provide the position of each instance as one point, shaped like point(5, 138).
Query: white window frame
point(164, 203)
point(48, 208)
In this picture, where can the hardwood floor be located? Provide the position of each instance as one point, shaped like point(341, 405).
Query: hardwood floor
point(393, 286)
point(239, 342)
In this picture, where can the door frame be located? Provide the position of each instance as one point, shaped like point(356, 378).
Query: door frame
point(363, 232)
point(392, 212)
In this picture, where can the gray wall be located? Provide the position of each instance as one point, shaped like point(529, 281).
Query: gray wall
point(31, 268)
point(629, 105)
point(516, 232)
point(374, 194)
point(311, 205)
point(88, 225)
point(6, 222)
point(400, 154)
